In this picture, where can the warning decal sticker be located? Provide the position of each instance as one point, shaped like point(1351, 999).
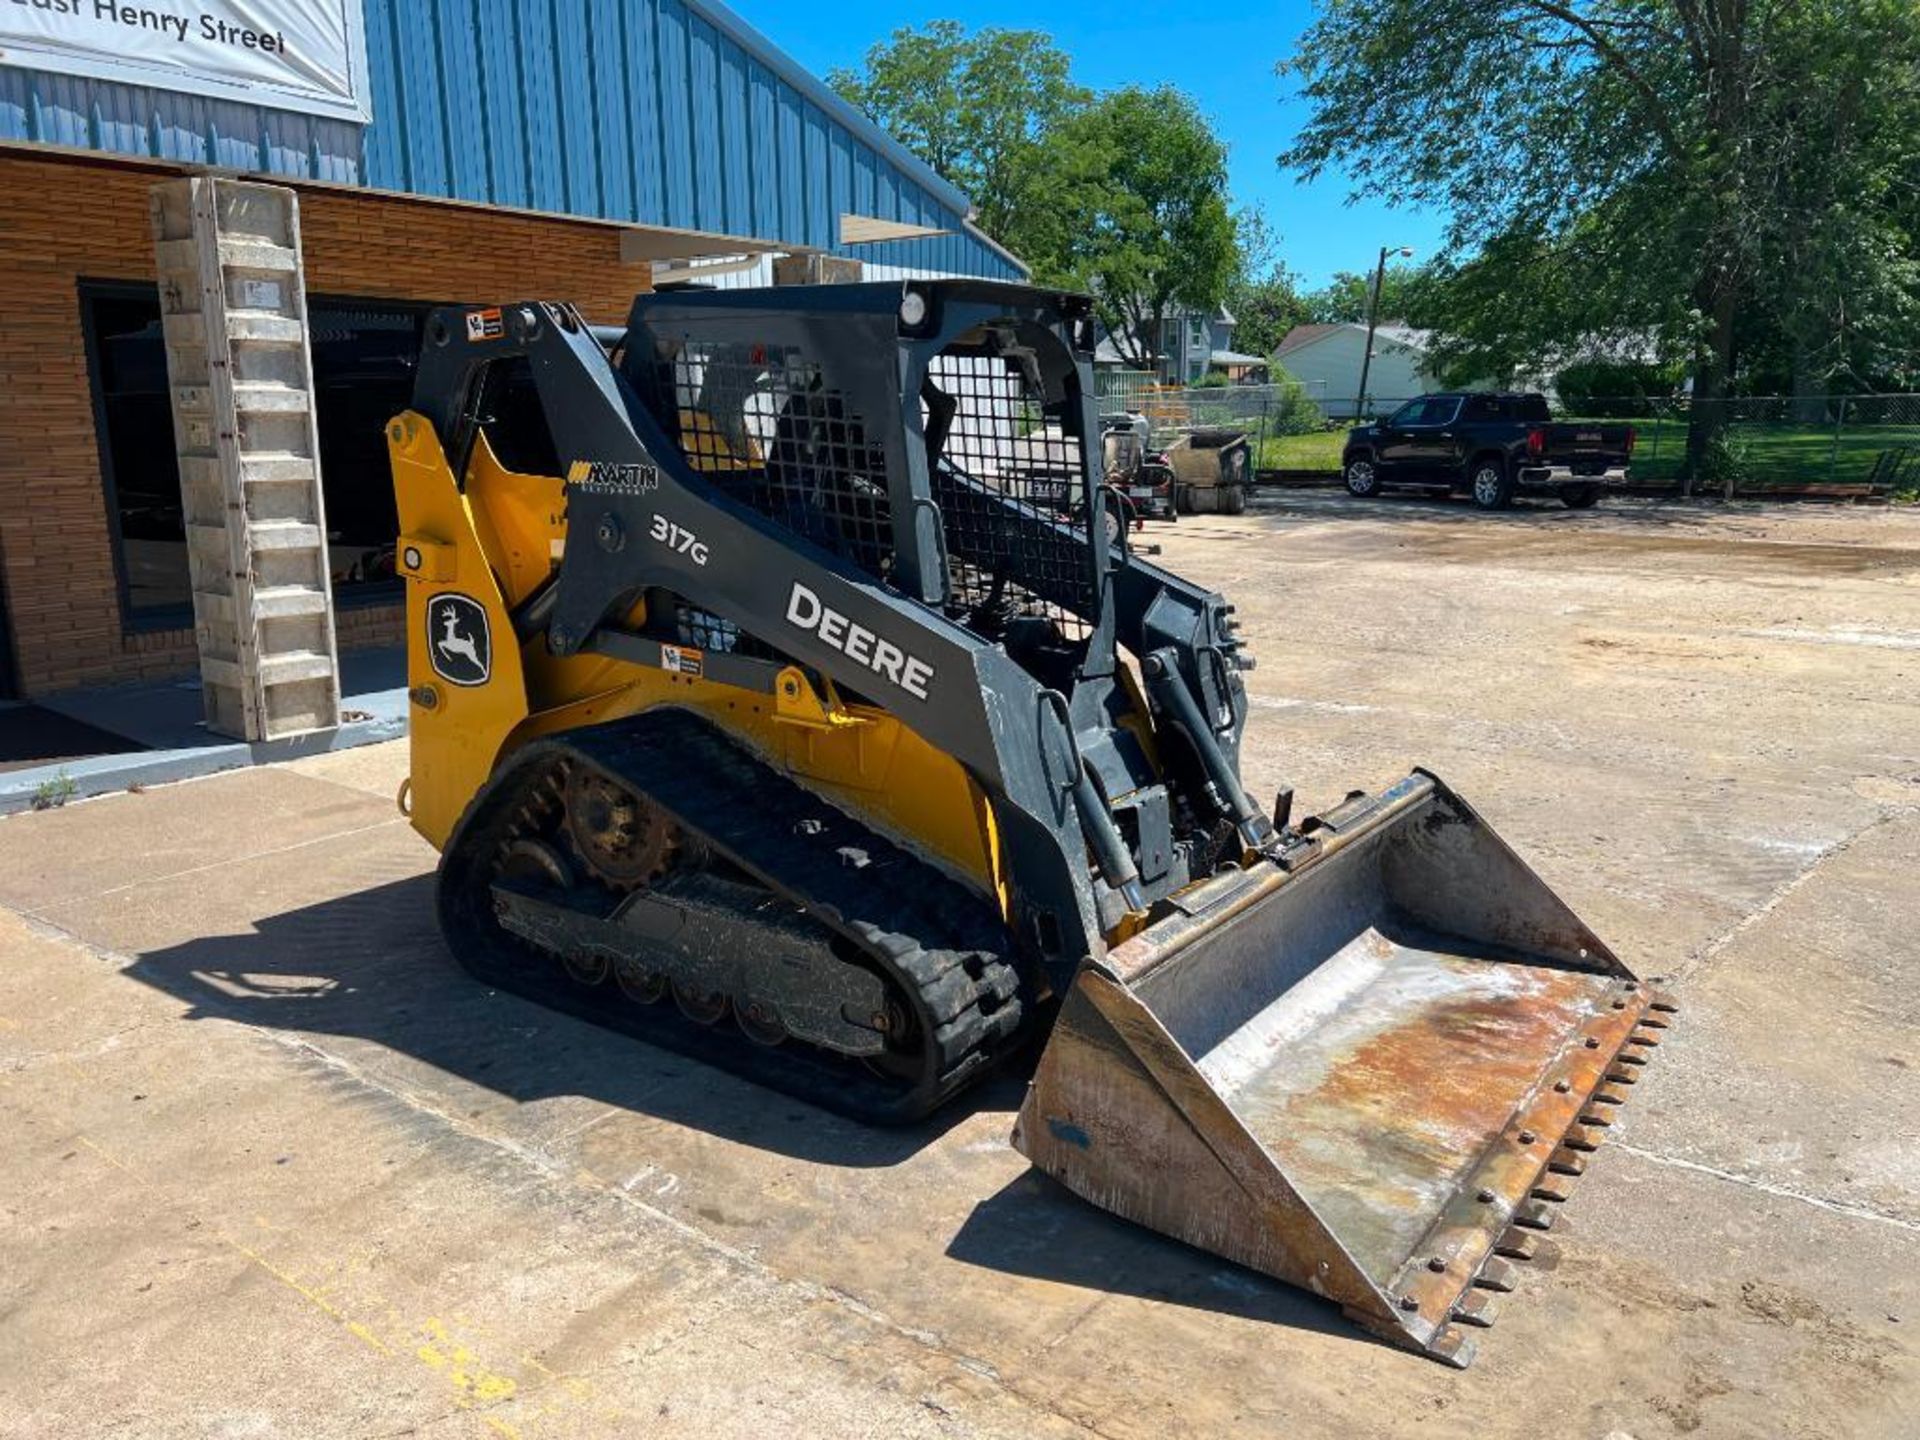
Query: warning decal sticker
point(680, 659)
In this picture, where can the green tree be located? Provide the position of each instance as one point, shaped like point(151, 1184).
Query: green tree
point(1838, 301)
point(1264, 310)
point(1344, 298)
point(1263, 295)
point(1135, 212)
point(976, 107)
point(1526, 304)
point(1636, 156)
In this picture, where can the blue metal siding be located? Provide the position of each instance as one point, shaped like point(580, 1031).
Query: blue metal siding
point(606, 33)
point(504, 111)
point(539, 77)
point(423, 110)
point(654, 112)
point(643, 113)
point(467, 97)
point(709, 191)
point(579, 147)
point(736, 139)
point(764, 140)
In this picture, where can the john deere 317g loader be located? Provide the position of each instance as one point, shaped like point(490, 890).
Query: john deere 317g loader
point(771, 702)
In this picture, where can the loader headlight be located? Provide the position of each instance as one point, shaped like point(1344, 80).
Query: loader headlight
point(913, 310)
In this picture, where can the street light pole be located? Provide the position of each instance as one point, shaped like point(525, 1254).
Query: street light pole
point(1373, 319)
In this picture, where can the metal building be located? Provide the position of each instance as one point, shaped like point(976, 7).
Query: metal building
point(662, 113)
point(582, 150)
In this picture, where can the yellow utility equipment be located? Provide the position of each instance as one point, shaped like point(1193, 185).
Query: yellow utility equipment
point(780, 695)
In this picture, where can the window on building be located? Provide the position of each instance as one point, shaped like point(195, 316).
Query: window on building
point(135, 427)
point(363, 358)
point(364, 353)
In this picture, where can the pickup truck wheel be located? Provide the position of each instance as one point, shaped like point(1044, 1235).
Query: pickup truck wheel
point(1580, 497)
point(1362, 479)
point(1490, 487)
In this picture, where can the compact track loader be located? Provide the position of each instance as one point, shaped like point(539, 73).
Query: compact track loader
point(773, 701)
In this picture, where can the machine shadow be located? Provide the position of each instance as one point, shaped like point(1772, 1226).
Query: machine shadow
point(1037, 1228)
point(371, 967)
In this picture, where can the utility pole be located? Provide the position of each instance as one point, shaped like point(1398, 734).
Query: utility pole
point(1373, 319)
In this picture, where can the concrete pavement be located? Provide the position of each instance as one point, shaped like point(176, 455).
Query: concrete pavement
point(276, 1168)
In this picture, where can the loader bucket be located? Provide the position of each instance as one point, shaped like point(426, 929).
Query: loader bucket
point(1373, 1074)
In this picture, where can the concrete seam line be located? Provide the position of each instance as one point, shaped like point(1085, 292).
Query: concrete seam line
point(1837, 1207)
point(235, 860)
point(1712, 948)
point(550, 1168)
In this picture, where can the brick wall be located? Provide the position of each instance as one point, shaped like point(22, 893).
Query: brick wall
point(63, 218)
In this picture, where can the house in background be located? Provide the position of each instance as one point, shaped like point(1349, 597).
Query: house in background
point(1327, 360)
point(1192, 342)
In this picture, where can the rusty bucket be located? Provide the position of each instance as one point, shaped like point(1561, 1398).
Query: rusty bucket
point(1372, 1068)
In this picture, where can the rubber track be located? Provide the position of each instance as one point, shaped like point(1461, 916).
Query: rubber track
point(925, 928)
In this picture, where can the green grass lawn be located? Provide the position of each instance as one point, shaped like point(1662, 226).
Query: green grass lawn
point(1775, 452)
point(1319, 451)
point(1770, 453)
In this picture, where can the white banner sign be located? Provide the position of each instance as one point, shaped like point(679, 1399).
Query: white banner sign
point(307, 55)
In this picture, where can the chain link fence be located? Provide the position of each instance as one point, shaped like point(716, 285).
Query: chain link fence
point(1763, 442)
point(1772, 442)
point(1266, 414)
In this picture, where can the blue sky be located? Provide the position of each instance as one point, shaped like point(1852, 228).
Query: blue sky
point(1224, 61)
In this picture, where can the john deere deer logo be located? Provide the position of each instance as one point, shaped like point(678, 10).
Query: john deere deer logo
point(457, 639)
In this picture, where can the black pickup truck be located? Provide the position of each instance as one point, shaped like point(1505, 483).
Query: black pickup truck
point(1493, 446)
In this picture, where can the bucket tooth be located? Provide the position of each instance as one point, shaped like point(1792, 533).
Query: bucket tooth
point(1645, 1038)
point(1661, 1002)
point(1452, 1346)
point(1552, 1187)
point(1631, 1055)
point(1527, 1246)
point(1517, 1244)
point(1609, 1095)
point(1534, 1216)
point(1583, 1137)
point(1623, 1075)
point(1477, 1307)
point(1497, 1274)
point(1565, 1161)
